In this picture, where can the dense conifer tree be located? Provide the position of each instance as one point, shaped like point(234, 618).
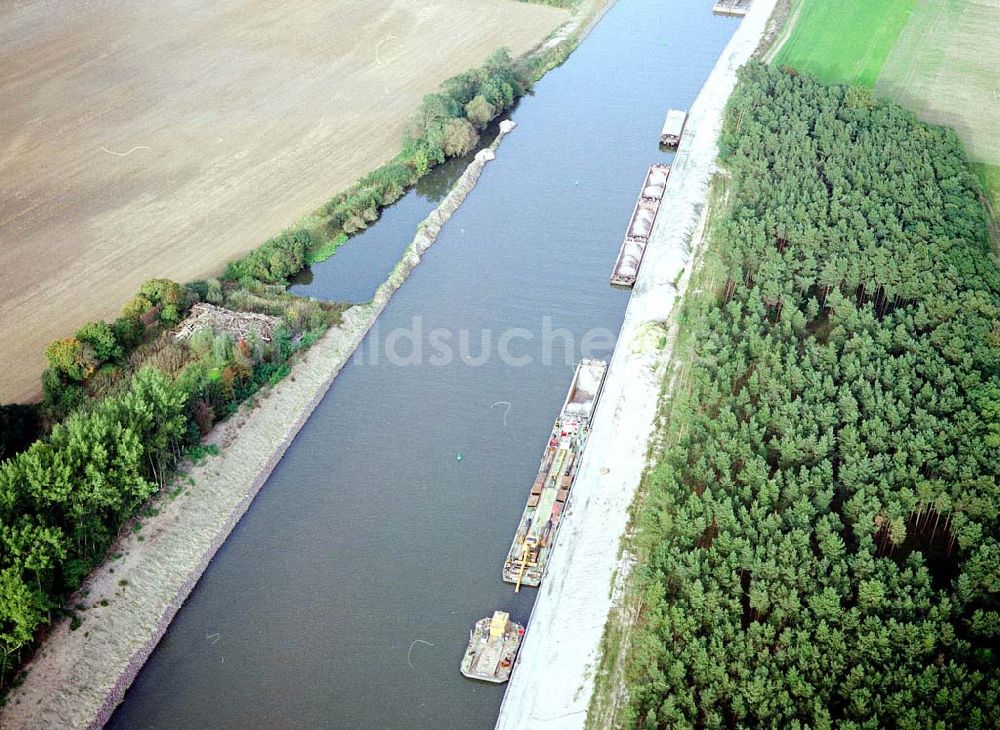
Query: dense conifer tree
point(820, 539)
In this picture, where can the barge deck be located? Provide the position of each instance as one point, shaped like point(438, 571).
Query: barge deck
point(640, 225)
point(738, 8)
point(536, 532)
point(673, 128)
point(493, 646)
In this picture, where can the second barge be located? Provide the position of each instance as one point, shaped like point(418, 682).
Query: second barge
point(493, 646)
point(536, 533)
point(673, 128)
point(640, 225)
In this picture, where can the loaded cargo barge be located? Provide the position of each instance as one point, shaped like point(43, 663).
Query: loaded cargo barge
point(640, 225)
point(536, 532)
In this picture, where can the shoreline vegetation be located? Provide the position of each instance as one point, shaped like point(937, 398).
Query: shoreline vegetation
point(127, 402)
point(816, 541)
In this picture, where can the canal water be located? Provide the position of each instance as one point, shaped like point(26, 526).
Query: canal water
point(345, 595)
point(359, 266)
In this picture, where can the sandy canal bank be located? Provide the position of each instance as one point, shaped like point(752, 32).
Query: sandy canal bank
point(553, 681)
point(77, 678)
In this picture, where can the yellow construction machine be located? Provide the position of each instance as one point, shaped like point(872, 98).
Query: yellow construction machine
point(529, 558)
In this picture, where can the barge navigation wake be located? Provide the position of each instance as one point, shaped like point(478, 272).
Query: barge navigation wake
point(529, 553)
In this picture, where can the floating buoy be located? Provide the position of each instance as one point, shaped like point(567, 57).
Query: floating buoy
point(458, 457)
point(576, 183)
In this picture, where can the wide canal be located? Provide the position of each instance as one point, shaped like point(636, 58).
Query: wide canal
point(345, 595)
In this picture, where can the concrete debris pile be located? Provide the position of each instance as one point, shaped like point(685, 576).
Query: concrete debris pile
point(240, 325)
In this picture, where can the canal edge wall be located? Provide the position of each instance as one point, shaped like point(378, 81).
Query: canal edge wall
point(553, 680)
point(78, 677)
point(578, 26)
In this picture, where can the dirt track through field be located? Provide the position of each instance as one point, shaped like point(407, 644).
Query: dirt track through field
point(164, 139)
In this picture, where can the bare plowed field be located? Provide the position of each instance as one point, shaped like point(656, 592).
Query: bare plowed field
point(161, 139)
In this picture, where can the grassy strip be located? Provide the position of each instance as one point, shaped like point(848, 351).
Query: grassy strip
point(844, 40)
point(989, 178)
point(328, 249)
point(779, 28)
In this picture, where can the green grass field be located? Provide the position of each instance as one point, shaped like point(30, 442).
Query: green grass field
point(844, 40)
point(989, 178)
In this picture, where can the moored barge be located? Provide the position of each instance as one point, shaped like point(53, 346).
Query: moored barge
point(738, 8)
point(640, 225)
point(493, 646)
point(673, 128)
point(536, 532)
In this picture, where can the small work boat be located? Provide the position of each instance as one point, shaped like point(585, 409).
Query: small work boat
point(493, 646)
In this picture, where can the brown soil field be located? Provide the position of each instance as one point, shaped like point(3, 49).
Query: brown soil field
point(163, 139)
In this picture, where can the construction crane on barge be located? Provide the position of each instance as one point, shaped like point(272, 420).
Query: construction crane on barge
point(529, 558)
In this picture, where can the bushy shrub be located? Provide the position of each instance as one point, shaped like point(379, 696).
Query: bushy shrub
point(128, 332)
point(275, 261)
point(479, 111)
point(166, 297)
point(201, 340)
point(213, 292)
point(102, 339)
point(460, 137)
point(71, 359)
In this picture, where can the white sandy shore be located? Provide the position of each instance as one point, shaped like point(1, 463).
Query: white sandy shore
point(553, 680)
point(77, 678)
